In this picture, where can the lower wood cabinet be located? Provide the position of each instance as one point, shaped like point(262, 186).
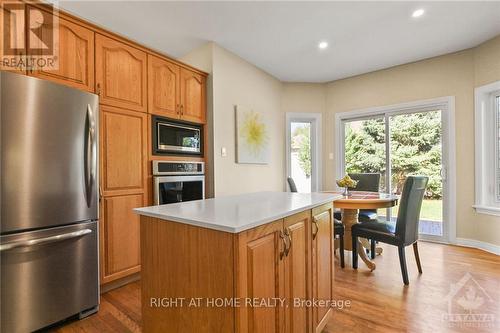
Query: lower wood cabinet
point(260, 274)
point(289, 259)
point(297, 229)
point(322, 262)
point(120, 246)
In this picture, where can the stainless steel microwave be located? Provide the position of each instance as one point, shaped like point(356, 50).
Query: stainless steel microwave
point(173, 137)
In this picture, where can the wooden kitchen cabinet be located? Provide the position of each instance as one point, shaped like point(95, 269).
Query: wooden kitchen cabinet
point(163, 87)
point(297, 270)
point(75, 52)
point(123, 162)
point(12, 60)
point(175, 92)
point(322, 263)
point(286, 259)
point(121, 74)
point(192, 96)
point(260, 275)
point(123, 148)
point(120, 237)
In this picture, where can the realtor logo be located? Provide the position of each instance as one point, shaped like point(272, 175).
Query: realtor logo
point(30, 36)
point(467, 304)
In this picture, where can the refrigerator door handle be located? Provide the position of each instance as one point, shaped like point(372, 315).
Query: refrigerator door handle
point(44, 240)
point(90, 155)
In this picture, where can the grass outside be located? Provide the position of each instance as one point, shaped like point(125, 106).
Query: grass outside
point(431, 210)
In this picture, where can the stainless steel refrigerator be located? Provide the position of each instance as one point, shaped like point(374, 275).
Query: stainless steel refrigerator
point(49, 195)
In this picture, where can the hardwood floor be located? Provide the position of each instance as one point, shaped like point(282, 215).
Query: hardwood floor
point(380, 301)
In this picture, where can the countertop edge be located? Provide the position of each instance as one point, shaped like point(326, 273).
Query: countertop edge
point(235, 230)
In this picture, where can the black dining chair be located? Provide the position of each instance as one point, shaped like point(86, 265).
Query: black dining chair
point(338, 230)
point(368, 182)
point(403, 232)
point(291, 183)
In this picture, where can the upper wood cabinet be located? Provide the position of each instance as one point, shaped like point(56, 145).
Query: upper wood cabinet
point(192, 96)
point(163, 87)
point(322, 262)
point(13, 60)
point(75, 47)
point(123, 142)
point(120, 74)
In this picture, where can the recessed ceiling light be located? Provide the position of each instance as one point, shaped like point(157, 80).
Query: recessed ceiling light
point(323, 45)
point(418, 13)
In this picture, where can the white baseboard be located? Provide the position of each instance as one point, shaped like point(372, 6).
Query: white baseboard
point(488, 247)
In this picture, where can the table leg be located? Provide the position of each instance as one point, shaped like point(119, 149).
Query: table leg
point(349, 218)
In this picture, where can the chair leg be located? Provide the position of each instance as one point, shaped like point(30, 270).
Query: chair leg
point(341, 252)
point(354, 251)
point(417, 257)
point(372, 249)
point(402, 262)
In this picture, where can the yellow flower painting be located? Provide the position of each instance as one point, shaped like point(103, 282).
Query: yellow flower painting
point(252, 137)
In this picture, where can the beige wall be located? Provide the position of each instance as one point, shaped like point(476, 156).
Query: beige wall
point(450, 75)
point(236, 81)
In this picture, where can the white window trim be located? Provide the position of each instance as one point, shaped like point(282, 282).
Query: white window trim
point(449, 158)
point(315, 120)
point(484, 120)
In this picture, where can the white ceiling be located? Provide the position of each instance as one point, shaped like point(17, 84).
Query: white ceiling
point(281, 37)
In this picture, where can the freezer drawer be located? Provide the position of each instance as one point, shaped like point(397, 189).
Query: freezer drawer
point(48, 276)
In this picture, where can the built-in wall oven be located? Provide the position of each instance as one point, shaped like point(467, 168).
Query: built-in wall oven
point(178, 181)
point(176, 137)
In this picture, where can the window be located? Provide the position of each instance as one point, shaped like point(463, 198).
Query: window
point(487, 146)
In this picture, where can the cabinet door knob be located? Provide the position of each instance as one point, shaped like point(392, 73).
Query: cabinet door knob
point(182, 109)
point(98, 89)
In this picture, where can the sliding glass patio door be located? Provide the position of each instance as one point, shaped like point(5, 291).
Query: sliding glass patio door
point(397, 143)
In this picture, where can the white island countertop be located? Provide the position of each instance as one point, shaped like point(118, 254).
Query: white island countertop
point(238, 212)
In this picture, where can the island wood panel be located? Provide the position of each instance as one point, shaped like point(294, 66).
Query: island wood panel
point(192, 96)
point(297, 272)
point(123, 149)
point(163, 87)
point(322, 262)
point(121, 74)
point(180, 260)
point(120, 253)
point(75, 47)
point(260, 270)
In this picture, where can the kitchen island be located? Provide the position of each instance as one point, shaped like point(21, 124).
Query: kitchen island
point(244, 263)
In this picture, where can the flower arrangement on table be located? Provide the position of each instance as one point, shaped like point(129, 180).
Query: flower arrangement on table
point(347, 183)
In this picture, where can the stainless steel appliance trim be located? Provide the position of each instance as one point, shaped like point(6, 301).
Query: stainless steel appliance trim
point(177, 148)
point(170, 179)
point(173, 173)
point(90, 159)
point(44, 240)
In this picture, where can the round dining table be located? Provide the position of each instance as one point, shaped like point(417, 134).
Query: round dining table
point(350, 206)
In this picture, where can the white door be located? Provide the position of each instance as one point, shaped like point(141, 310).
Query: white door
point(303, 133)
